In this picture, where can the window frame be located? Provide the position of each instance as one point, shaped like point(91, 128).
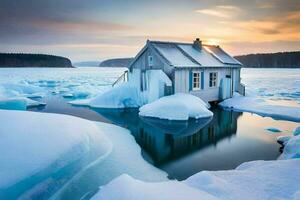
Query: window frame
point(150, 61)
point(193, 81)
point(213, 82)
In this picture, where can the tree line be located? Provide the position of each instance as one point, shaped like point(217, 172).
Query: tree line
point(33, 60)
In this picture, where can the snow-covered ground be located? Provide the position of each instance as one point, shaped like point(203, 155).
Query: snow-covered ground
point(30, 142)
point(176, 107)
point(277, 179)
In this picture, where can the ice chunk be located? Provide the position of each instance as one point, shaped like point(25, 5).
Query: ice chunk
point(273, 130)
point(291, 148)
point(283, 139)
point(176, 107)
point(31, 141)
point(297, 131)
point(261, 107)
point(20, 103)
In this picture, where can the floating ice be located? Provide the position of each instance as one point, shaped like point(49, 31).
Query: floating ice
point(30, 142)
point(261, 107)
point(292, 147)
point(273, 130)
point(21, 103)
point(283, 139)
point(179, 106)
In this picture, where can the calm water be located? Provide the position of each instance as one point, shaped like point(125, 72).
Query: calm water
point(184, 148)
point(179, 148)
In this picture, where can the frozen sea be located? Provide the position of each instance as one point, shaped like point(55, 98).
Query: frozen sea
point(181, 149)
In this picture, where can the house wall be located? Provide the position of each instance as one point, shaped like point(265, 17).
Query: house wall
point(182, 81)
point(143, 64)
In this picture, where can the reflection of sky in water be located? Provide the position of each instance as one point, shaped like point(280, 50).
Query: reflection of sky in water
point(276, 84)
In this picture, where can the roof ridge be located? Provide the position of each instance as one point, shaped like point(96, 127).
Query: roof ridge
point(179, 43)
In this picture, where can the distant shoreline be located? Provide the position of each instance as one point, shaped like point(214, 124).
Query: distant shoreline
point(20, 60)
point(271, 60)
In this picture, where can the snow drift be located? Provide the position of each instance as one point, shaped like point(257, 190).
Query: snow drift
point(179, 106)
point(30, 142)
point(122, 96)
point(252, 180)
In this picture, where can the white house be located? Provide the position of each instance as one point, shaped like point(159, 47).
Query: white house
point(206, 71)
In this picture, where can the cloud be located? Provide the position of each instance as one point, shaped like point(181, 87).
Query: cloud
point(222, 11)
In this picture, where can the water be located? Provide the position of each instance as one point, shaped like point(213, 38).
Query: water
point(185, 148)
point(179, 148)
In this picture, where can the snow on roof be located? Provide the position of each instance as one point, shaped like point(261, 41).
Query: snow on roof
point(221, 55)
point(173, 54)
point(203, 57)
point(185, 55)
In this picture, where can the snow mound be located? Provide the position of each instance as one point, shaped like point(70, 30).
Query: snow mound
point(252, 180)
point(130, 188)
point(261, 107)
point(122, 96)
point(179, 106)
point(30, 142)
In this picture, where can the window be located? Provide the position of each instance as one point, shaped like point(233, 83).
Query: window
point(150, 61)
point(196, 80)
point(213, 77)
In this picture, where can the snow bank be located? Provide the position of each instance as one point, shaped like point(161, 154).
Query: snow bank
point(30, 142)
point(252, 180)
point(176, 107)
point(122, 96)
point(261, 107)
point(130, 188)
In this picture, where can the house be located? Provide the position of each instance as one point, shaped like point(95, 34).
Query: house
point(206, 71)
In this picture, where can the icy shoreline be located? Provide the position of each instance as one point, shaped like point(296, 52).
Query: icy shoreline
point(261, 107)
point(277, 179)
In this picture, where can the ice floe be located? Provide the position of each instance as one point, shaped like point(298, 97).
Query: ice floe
point(273, 130)
point(30, 142)
point(179, 106)
point(291, 146)
point(261, 107)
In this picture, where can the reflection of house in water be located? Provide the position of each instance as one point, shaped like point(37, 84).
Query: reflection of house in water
point(167, 140)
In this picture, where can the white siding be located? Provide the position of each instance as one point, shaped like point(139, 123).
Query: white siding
point(181, 81)
point(207, 93)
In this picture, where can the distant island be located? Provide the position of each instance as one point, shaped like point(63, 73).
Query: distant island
point(271, 60)
point(33, 60)
point(117, 62)
point(87, 64)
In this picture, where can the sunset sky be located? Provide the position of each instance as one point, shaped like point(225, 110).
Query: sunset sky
point(98, 29)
